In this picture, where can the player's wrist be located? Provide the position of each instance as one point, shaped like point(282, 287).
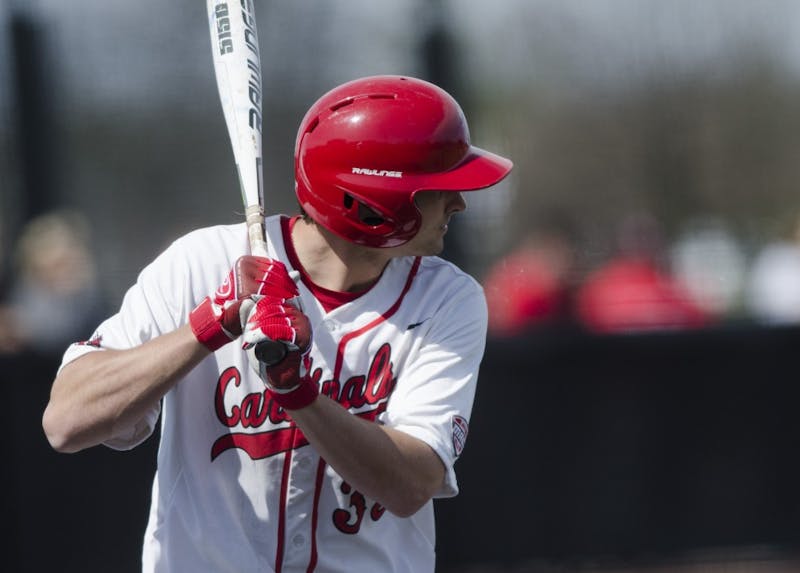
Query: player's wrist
point(206, 323)
point(303, 394)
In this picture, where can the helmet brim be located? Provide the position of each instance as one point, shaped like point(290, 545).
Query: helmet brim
point(478, 170)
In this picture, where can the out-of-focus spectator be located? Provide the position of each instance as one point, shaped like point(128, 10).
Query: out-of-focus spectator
point(532, 284)
point(710, 263)
point(634, 291)
point(53, 298)
point(773, 290)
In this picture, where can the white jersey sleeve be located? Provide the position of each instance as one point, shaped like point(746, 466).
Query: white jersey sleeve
point(159, 302)
point(434, 396)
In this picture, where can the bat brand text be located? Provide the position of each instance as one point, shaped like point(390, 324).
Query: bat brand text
point(253, 64)
point(224, 40)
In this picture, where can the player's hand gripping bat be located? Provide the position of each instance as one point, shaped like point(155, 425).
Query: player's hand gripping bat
point(237, 66)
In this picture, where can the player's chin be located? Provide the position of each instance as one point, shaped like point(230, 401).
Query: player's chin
point(427, 243)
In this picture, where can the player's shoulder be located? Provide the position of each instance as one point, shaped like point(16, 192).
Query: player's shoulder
point(215, 233)
point(439, 267)
point(439, 270)
point(443, 288)
point(216, 241)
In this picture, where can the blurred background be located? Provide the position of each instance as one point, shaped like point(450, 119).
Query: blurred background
point(641, 263)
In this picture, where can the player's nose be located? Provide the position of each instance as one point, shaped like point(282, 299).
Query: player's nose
point(455, 203)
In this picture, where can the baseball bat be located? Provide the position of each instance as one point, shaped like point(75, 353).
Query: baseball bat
point(237, 67)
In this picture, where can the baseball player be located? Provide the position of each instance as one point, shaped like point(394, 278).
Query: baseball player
point(314, 402)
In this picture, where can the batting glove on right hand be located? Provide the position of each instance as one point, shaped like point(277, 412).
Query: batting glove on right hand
point(278, 324)
point(217, 319)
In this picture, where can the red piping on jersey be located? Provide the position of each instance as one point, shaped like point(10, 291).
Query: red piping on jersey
point(312, 564)
point(337, 370)
point(287, 463)
point(299, 435)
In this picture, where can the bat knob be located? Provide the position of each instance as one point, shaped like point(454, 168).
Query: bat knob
point(270, 352)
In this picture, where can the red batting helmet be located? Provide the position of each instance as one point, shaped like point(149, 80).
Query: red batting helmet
point(377, 141)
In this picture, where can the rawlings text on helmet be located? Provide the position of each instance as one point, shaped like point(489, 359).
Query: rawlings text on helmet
point(376, 172)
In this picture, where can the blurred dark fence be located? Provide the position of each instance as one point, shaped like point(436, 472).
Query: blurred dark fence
point(83, 512)
point(630, 448)
point(580, 447)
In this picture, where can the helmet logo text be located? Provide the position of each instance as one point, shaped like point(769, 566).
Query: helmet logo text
point(377, 172)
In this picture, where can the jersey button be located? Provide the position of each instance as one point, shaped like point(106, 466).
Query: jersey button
point(329, 325)
point(298, 540)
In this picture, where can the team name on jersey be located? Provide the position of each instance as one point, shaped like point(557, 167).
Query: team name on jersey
point(377, 172)
point(367, 393)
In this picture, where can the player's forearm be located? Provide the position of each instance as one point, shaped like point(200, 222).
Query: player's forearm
point(400, 472)
point(103, 391)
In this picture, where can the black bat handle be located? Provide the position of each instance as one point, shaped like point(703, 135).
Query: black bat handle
point(270, 352)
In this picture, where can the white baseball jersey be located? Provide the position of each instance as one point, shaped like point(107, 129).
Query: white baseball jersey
point(238, 488)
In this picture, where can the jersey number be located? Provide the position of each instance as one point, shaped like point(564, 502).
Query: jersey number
point(349, 520)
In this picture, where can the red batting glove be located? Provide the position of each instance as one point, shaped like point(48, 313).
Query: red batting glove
point(275, 321)
point(216, 320)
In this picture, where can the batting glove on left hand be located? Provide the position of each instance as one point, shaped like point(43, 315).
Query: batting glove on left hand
point(217, 319)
